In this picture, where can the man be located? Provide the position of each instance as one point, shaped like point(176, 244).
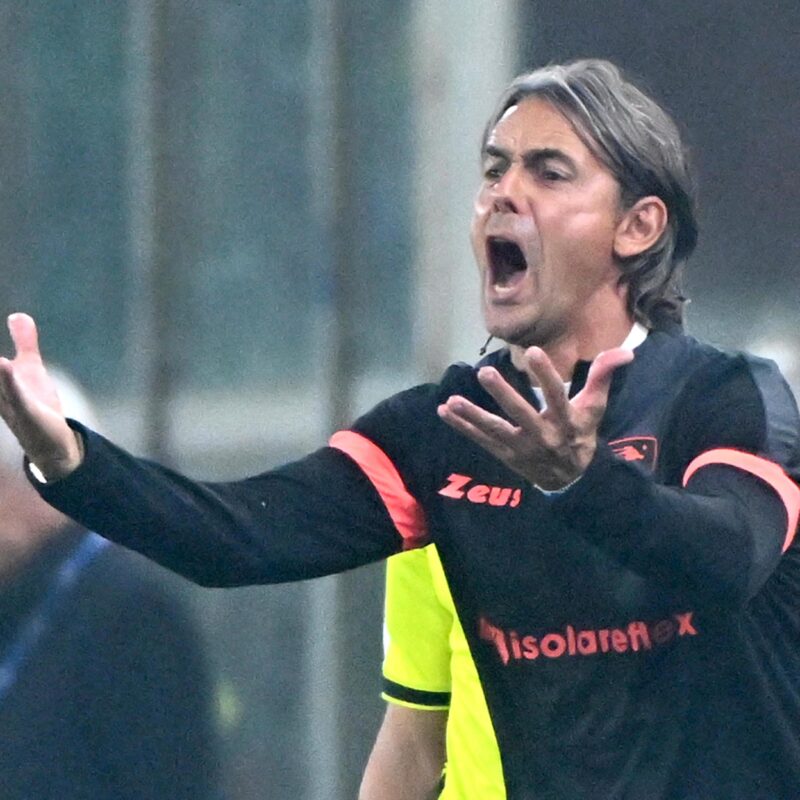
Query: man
point(621, 552)
point(437, 738)
point(104, 690)
point(435, 703)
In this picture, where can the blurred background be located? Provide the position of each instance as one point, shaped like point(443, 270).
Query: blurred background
point(240, 223)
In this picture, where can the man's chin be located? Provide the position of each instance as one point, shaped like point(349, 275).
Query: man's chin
point(512, 332)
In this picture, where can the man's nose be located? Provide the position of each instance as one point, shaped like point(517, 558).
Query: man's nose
point(506, 191)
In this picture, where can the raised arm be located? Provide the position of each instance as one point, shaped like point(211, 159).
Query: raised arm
point(30, 406)
point(727, 521)
point(719, 533)
point(313, 517)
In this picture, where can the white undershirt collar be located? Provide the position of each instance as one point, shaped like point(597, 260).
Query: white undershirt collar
point(636, 335)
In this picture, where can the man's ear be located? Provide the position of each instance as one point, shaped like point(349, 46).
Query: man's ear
point(640, 227)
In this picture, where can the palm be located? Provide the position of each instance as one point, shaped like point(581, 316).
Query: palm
point(30, 406)
point(552, 448)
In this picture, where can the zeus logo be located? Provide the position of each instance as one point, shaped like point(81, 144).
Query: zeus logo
point(464, 487)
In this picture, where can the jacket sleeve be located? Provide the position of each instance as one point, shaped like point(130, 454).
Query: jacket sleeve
point(316, 516)
point(720, 526)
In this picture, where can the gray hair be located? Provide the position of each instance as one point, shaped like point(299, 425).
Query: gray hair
point(74, 402)
point(640, 144)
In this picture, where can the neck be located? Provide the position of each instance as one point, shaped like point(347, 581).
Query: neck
point(579, 344)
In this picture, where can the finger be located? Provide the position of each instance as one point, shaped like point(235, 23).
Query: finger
point(487, 430)
point(479, 437)
point(491, 424)
point(594, 394)
point(466, 428)
point(551, 383)
point(509, 399)
point(24, 335)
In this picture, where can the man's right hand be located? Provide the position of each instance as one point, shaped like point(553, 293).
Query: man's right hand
point(551, 448)
point(30, 406)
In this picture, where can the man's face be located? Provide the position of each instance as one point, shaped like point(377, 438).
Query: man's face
point(543, 230)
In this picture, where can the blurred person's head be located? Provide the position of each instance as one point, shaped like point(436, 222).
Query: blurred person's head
point(27, 523)
point(625, 134)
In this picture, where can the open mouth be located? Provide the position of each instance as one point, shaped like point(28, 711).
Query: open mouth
point(506, 261)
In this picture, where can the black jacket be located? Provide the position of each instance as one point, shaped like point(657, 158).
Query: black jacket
point(636, 638)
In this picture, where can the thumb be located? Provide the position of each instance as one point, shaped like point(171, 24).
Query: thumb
point(24, 335)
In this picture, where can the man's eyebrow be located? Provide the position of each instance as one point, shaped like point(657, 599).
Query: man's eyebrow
point(533, 158)
point(493, 151)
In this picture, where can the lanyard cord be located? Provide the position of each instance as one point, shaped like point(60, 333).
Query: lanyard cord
point(40, 619)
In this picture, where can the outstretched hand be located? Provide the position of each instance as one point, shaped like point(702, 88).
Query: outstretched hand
point(30, 406)
point(552, 448)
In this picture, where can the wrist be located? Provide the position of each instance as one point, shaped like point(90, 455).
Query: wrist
point(54, 469)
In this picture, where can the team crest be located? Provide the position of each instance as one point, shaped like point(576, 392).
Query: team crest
point(641, 450)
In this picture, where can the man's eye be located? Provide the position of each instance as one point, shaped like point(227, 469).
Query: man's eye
point(552, 175)
point(492, 172)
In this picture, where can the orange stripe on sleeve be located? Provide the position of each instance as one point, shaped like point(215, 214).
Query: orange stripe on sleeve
point(768, 471)
point(403, 508)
